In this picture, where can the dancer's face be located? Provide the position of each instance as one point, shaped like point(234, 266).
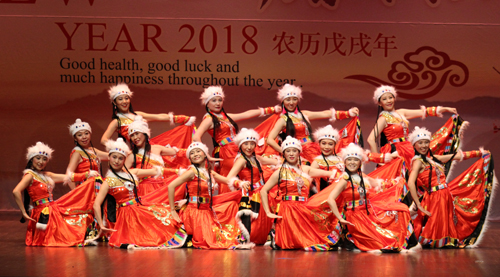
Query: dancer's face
point(138, 139)
point(116, 161)
point(215, 104)
point(327, 146)
point(290, 103)
point(292, 155)
point(40, 162)
point(387, 101)
point(197, 156)
point(123, 103)
point(422, 146)
point(352, 164)
point(83, 138)
point(248, 148)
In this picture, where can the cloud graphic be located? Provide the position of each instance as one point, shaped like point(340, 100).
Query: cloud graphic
point(421, 74)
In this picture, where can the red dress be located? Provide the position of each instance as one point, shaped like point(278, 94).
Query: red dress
point(226, 149)
point(458, 209)
point(213, 226)
point(396, 133)
point(124, 121)
point(180, 137)
point(329, 163)
point(251, 202)
point(310, 150)
point(385, 226)
point(84, 167)
point(141, 225)
point(151, 183)
point(69, 216)
point(301, 227)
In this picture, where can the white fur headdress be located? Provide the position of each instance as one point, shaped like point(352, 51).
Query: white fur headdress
point(327, 132)
point(118, 90)
point(198, 145)
point(419, 134)
point(246, 135)
point(383, 90)
point(289, 91)
point(78, 126)
point(353, 151)
point(210, 93)
point(39, 148)
point(119, 146)
point(139, 125)
point(290, 142)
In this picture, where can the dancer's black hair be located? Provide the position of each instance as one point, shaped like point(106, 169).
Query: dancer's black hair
point(361, 184)
point(216, 123)
point(286, 181)
point(147, 152)
point(250, 167)
point(115, 116)
point(210, 185)
point(383, 138)
point(27, 199)
point(322, 183)
point(92, 163)
point(132, 180)
point(290, 128)
point(424, 158)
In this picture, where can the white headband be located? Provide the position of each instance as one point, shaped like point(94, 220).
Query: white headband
point(353, 151)
point(383, 90)
point(39, 149)
point(419, 134)
point(198, 145)
point(290, 142)
point(119, 146)
point(246, 135)
point(289, 91)
point(327, 132)
point(139, 125)
point(120, 89)
point(210, 93)
point(78, 126)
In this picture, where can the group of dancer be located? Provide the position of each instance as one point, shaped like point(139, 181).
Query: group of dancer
point(281, 183)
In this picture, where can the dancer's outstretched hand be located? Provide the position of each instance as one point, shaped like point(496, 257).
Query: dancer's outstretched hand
point(345, 222)
point(271, 215)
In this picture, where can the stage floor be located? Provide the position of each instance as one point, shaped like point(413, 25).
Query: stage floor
point(20, 260)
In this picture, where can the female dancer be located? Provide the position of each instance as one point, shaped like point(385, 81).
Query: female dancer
point(327, 137)
point(211, 226)
point(123, 114)
point(52, 223)
point(394, 125)
point(372, 223)
point(136, 225)
point(144, 155)
point(295, 123)
point(297, 226)
point(85, 160)
point(449, 215)
point(247, 175)
point(223, 128)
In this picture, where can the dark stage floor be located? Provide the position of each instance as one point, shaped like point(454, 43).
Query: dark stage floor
point(18, 260)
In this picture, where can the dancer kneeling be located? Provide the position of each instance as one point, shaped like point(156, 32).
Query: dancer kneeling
point(298, 227)
point(247, 175)
point(136, 225)
point(145, 156)
point(450, 215)
point(372, 223)
point(52, 223)
point(211, 226)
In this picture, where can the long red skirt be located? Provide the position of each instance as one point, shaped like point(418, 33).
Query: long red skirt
point(69, 217)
